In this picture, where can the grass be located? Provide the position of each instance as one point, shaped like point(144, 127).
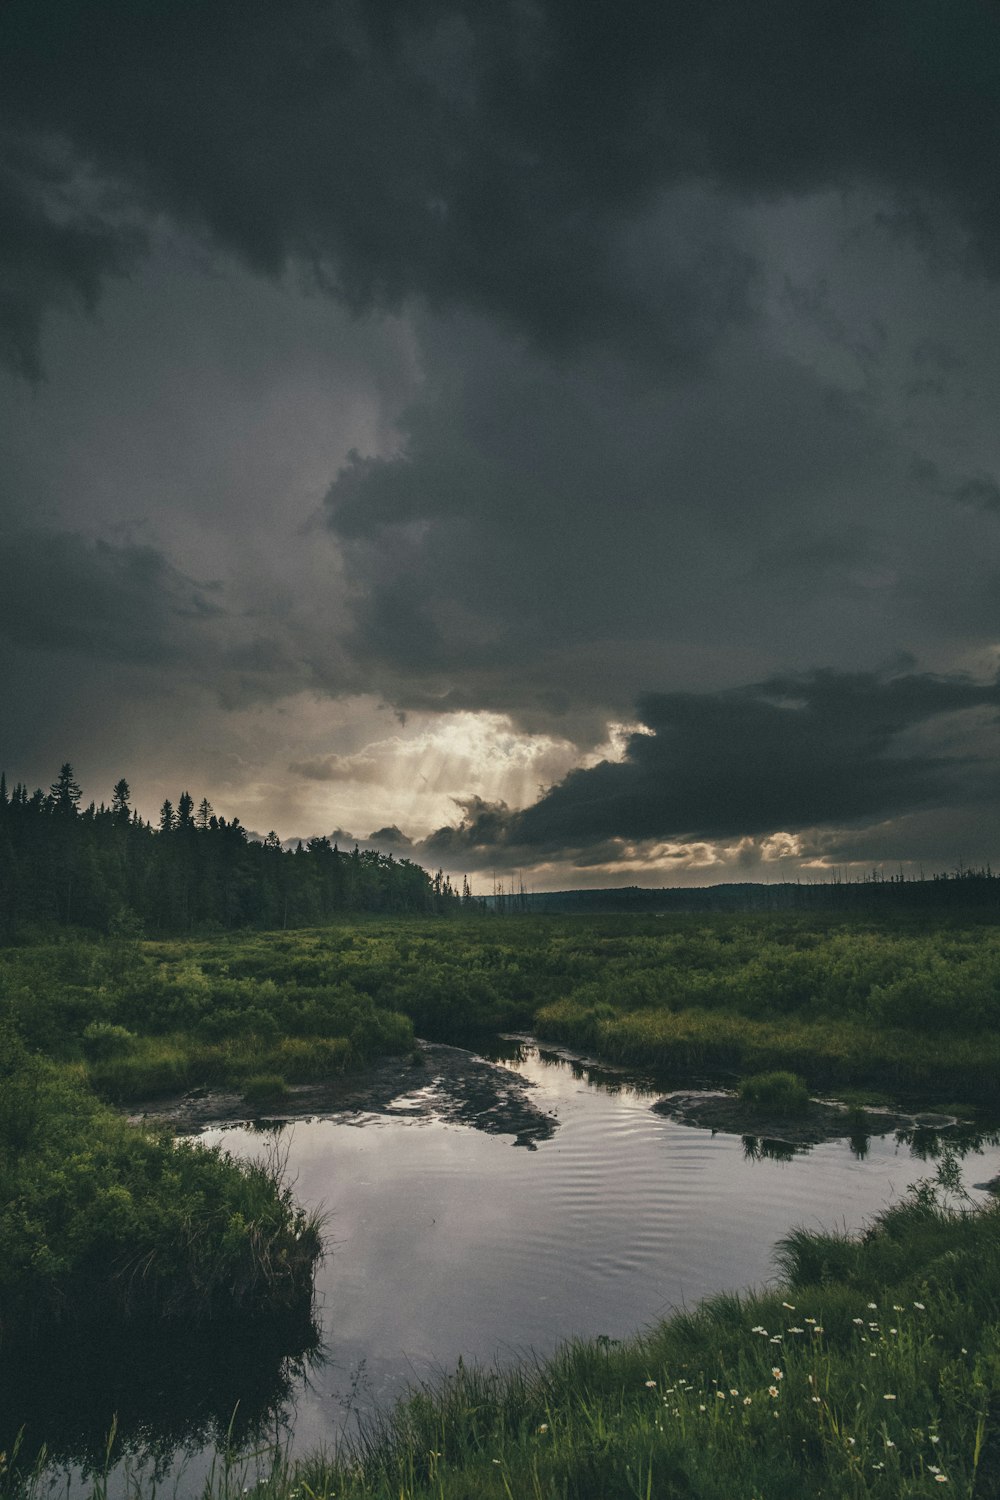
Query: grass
point(889, 1005)
point(107, 1225)
point(777, 1093)
point(828, 1052)
point(163, 1065)
point(265, 1088)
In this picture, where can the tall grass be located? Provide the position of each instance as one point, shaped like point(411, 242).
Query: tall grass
point(104, 1224)
point(827, 1052)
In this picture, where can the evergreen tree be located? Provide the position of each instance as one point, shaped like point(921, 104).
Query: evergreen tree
point(65, 792)
point(120, 810)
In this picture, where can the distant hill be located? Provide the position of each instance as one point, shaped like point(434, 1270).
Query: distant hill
point(979, 888)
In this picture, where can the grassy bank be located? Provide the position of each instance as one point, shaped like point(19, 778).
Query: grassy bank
point(875, 1371)
point(833, 1054)
point(104, 1225)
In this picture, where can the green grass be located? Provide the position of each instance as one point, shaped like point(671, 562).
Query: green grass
point(891, 1005)
point(778, 1093)
point(265, 1088)
point(105, 1224)
point(828, 1053)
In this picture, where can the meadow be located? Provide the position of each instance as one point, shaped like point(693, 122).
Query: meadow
point(901, 1006)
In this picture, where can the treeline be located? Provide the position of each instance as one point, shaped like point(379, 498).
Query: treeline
point(962, 889)
point(62, 862)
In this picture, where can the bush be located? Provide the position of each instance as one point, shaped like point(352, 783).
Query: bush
point(782, 1093)
point(103, 1040)
point(265, 1088)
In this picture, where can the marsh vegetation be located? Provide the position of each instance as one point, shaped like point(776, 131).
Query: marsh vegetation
point(123, 1226)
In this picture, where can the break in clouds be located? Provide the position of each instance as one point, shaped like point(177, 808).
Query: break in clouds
point(401, 399)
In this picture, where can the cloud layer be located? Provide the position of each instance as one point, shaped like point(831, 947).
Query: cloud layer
point(513, 370)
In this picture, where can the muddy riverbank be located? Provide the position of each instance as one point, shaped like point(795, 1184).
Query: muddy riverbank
point(448, 1084)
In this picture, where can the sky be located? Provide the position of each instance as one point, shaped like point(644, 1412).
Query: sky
point(539, 437)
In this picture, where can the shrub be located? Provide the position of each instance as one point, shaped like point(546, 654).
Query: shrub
point(784, 1093)
point(103, 1040)
point(265, 1088)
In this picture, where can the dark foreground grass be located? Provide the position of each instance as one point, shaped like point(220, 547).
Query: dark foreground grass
point(874, 1371)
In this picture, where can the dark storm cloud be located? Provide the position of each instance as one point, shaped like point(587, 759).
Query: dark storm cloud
point(548, 537)
point(779, 756)
point(495, 154)
point(62, 592)
point(52, 250)
point(981, 491)
point(641, 420)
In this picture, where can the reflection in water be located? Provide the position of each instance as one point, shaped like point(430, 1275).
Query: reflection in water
point(770, 1148)
point(518, 1051)
point(763, 1148)
point(160, 1395)
point(926, 1142)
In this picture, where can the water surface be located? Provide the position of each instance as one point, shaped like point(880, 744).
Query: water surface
point(447, 1242)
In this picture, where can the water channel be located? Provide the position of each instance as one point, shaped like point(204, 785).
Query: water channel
point(488, 1223)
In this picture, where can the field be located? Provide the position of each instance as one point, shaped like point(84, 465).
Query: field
point(902, 1006)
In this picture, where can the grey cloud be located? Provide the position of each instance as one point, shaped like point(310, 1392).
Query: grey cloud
point(60, 591)
point(980, 491)
point(545, 536)
point(483, 830)
point(390, 838)
point(785, 754)
point(52, 251)
point(492, 155)
point(335, 768)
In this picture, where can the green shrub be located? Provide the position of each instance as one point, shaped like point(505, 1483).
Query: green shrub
point(103, 1040)
point(779, 1092)
point(265, 1088)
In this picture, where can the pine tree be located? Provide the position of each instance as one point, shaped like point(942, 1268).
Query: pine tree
point(120, 810)
point(65, 792)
